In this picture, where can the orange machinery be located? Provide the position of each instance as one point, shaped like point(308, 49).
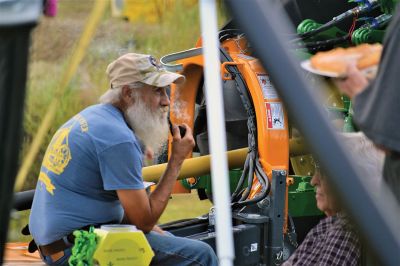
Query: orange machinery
point(272, 128)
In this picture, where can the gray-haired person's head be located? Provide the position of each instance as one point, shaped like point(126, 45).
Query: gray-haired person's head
point(132, 76)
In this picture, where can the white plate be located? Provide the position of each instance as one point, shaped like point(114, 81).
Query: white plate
point(369, 72)
point(307, 66)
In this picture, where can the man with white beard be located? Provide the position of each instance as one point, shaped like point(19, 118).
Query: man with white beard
point(91, 172)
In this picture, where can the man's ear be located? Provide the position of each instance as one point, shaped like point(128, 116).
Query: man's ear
point(126, 94)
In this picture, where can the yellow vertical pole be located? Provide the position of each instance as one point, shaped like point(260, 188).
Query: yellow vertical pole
point(77, 56)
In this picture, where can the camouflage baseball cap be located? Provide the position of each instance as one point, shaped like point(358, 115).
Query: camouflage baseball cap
point(132, 67)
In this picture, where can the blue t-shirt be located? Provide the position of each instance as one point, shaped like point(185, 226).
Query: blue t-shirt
point(89, 157)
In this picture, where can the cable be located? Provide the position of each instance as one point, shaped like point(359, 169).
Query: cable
point(335, 21)
point(329, 44)
point(250, 178)
point(241, 179)
point(252, 165)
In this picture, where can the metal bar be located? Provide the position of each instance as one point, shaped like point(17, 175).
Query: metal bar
point(165, 60)
point(217, 135)
point(266, 27)
point(274, 245)
point(197, 166)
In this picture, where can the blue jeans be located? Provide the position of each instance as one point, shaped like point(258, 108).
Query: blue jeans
point(180, 251)
point(63, 261)
point(168, 249)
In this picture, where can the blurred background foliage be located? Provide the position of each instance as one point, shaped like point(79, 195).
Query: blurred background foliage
point(156, 27)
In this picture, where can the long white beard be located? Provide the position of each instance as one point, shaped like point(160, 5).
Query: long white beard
point(150, 127)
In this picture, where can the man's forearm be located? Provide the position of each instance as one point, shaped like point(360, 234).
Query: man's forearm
point(160, 196)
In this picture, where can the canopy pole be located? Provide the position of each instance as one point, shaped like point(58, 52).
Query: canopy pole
point(216, 132)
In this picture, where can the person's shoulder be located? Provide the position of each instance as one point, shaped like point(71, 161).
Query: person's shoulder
point(104, 116)
point(106, 122)
point(343, 228)
point(102, 109)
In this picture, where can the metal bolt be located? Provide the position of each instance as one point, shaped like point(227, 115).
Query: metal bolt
point(283, 173)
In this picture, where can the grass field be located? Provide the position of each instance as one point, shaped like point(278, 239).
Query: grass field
point(174, 28)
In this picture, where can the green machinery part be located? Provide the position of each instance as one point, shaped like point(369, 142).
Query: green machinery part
point(371, 32)
point(301, 198)
point(309, 25)
point(301, 194)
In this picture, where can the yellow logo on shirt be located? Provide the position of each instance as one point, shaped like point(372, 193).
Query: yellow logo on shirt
point(58, 153)
point(82, 122)
point(56, 158)
point(47, 182)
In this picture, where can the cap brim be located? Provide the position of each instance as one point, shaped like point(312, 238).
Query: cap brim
point(163, 79)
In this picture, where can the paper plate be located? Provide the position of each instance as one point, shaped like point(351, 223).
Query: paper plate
point(307, 66)
point(369, 72)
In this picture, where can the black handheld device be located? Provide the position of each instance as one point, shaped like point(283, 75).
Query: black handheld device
point(182, 130)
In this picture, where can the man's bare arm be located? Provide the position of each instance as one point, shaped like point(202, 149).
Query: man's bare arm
point(143, 210)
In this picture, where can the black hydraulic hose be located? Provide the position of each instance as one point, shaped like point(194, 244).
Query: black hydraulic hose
point(260, 177)
point(237, 197)
point(324, 45)
point(256, 199)
point(359, 10)
point(250, 177)
point(241, 179)
point(254, 165)
point(262, 174)
point(314, 32)
point(264, 191)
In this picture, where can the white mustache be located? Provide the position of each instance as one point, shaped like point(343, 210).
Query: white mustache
point(164, 109)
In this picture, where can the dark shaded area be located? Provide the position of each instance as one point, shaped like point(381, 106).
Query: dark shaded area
point(14, 45)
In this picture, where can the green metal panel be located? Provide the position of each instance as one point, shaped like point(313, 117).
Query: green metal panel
point(302, 198)
point(204, 182)
point(301, 193)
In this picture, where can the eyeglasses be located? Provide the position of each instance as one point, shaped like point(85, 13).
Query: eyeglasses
point(317, 169)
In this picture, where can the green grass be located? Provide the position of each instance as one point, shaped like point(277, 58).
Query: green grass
point(52, 44)
point(185, 206)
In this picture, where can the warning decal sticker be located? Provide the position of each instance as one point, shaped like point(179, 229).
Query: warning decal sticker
point(275, 116)
point(268, 89)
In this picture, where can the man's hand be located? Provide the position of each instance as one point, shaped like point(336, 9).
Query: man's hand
point(181, 146)
point(157, 229)
point(354, 83)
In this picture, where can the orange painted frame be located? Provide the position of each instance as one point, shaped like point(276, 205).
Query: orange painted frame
point(273, 144)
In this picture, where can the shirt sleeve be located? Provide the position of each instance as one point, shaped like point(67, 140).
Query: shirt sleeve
point(121, 167)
